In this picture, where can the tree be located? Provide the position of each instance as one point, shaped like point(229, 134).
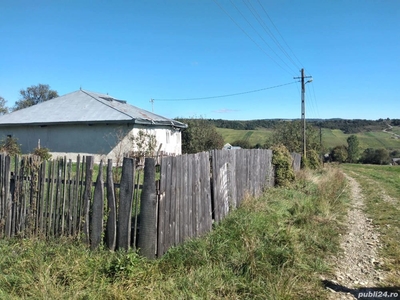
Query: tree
point(352, 149)
point(375, 156)
point(339, 154)
point(201, 135)
point(33, 95)
point(244, 144)
point(290, 134)
point(3, 107)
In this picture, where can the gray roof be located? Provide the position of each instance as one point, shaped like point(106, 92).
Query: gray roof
point(85, 107)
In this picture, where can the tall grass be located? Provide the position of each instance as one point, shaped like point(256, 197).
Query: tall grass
point(272, 247)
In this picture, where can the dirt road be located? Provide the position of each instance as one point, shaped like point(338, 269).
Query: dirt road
point(357, 271)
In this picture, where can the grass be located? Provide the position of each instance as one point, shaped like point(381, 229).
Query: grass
point(381, 188)
point(272, 247)
point(253, 136)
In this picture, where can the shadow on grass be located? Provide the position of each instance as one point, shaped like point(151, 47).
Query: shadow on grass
point(365, 293)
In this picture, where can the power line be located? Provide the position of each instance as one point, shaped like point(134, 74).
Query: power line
point(233, 20)
point(268, 31)
point(228, 95)
point(259, 35)
point(278, 31)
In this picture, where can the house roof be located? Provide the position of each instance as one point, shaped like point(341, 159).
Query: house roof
point(85, 107)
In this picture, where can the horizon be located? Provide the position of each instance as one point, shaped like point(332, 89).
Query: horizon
point(213, 59)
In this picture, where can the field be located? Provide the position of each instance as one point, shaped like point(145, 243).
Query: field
point(330, 137)
point(258, 136)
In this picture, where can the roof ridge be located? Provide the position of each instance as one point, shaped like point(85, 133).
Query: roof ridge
point(88, 93)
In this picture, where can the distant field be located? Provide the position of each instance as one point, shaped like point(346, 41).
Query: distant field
point(253, 136)
point(330, 137)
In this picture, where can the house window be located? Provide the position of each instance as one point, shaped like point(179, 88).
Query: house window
point(167, 137)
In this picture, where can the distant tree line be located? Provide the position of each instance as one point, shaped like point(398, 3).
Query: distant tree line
point(347, 126)
point(244, 125)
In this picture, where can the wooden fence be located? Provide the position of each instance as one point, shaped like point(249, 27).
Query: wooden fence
point(60, 198)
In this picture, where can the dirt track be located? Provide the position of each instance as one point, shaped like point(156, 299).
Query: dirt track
point(356, 268)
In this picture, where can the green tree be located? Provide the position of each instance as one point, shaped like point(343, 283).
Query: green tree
point(339, 153)
point(33, 95)
point(353, 149)
point(290, 134)
point(375, 156)
point(3, 107)
point(244, 144)
point(201, 135)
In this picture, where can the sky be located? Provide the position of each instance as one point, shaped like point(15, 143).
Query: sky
point(217, 59)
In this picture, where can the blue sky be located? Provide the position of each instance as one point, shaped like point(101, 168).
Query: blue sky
point(184, 49)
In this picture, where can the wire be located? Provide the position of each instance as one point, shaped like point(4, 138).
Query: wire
point(233, 20)
point(228, 95)
point(259, 35)
point(278, 31)
point(268, 31)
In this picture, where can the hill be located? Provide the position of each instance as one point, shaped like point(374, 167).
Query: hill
point(371, 134)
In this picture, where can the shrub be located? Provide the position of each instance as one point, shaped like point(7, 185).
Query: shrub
point(43, 153)
point(10, 145)
point(313, 159)
point(282, 161)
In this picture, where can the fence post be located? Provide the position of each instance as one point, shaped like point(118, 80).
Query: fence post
point(111, 230)
point(148, 212)
point(8, 196)
point(125, 204)
point(96, 223)
point(88, 195)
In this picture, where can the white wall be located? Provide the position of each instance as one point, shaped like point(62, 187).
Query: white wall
point(100, 140)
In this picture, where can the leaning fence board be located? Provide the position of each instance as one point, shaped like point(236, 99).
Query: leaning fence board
point(96, 223)
point(111, 229)
point(125, 204)
point(7, 198)
point(161, 209)
point(148, 211)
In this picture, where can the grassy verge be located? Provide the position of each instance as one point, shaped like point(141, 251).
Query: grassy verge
point(272, 247)
point(381, 188)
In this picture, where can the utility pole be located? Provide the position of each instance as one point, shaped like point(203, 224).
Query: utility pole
point(303, 107)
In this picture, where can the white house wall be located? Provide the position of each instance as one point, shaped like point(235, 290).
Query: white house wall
point(100, 140)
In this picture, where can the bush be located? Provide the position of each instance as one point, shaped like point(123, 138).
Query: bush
point(313, 160)
point(10, 146)
point(43, 153)
point(282, 161)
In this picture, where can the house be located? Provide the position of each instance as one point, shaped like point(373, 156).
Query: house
point(89, 123)
point(228, 146)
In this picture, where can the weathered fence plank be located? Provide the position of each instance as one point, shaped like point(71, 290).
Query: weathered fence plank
point(7, 198)
point(96, 224)
point(125, 204)
point(147, 241)
point(296, 162)
point(88, 196)
point(111, 228)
